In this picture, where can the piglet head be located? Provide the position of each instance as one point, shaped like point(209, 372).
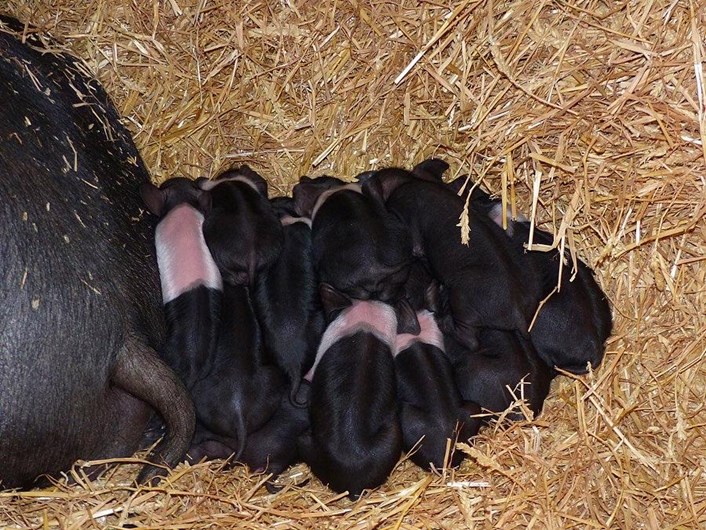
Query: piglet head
point(307, 192)
point(242, 231)
point(573, 325)
point(178, 190)
point(243, 174)
point(283, 206)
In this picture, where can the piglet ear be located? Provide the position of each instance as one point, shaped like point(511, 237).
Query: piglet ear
point(203, 183)
point(153, 198)
point(460, 183)
point(381, 185)
point(364, 176)
point(255, 178)
point(478, 195)
point(305, 194)
point(431, 296)
point(204, 198)
point(431, 169)
point(332, 300)
point(407, 321)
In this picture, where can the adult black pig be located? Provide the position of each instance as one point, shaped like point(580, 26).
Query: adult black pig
point(80, 314)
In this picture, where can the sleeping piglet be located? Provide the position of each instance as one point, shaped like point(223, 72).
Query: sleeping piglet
point(244, 387)
point(486, 283)
point(358, 247)
point(286, 299)
point(431, 408)
point(572, 326)
point(192, 288)
point(506, 368)
point(355, 439)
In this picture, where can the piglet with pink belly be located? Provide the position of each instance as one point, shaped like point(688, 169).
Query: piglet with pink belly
point(433, 413)
point(192, 288)
point(355, 440)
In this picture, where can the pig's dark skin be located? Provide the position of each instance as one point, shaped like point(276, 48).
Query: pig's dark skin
point(492, 374)
point(572, 326)
point(193, 317)
point(358, 247)
point(243, 389)
point(241, 230)
point(80, 314)
point(485, 282)
point(286, 299)
point(273, 447)
point(355, 438)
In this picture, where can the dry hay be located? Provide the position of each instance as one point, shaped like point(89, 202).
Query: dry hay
point(588, 114)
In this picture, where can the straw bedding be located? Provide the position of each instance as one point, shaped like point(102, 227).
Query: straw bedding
point(587, 115)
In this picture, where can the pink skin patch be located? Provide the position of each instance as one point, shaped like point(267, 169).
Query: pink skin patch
point(287, 220)
point(429, 334)
point(183, 258)
point(325, 195)
point(496, 214)
point(363, 315)
point(210, 184)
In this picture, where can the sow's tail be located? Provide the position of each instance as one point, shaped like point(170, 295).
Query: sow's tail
point(140, 372)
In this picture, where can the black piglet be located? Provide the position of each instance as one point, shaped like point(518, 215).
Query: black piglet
point(286, 297)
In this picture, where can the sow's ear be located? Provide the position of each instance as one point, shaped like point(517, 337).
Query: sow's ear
point(332, 300)
point(380, 185)
point(153, 198)
point(431, 169)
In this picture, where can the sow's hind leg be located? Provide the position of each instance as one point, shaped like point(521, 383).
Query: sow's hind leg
point(140, 372)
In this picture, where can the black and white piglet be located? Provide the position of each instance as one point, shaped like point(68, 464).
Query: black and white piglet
point(245, 386)
point(355, 439)
point(432, 414)
point(192, 287)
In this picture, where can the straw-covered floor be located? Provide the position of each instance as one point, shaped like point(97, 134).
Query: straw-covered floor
point(590, 115)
